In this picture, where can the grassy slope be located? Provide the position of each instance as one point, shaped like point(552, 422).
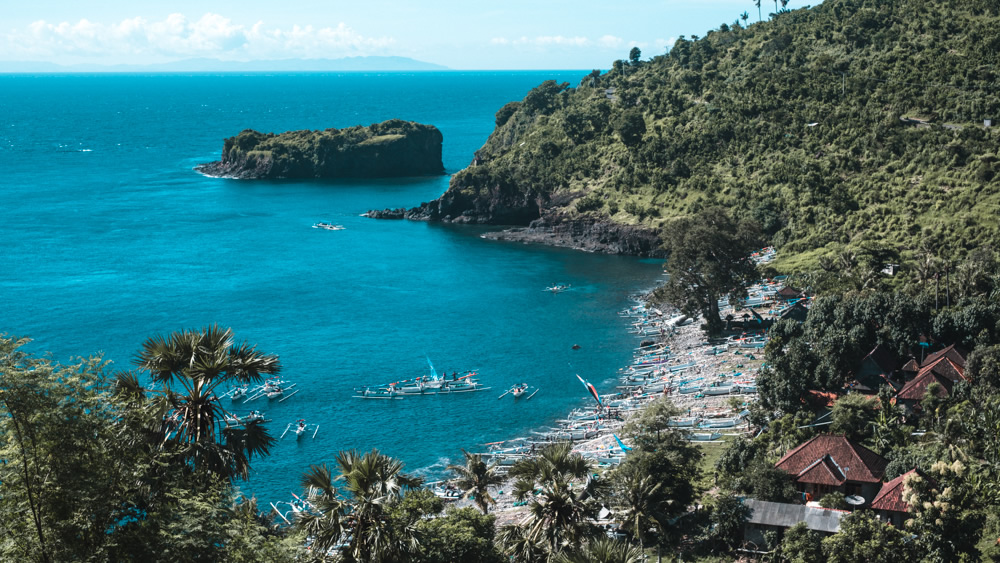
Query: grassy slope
point(726, 122)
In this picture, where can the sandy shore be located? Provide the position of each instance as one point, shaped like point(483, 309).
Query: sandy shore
point(715, 364)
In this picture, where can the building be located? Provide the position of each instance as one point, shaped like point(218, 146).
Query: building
point(889, 505)
point(945, 367)
point(878, 368)
point(778, 516)
point(828, 463)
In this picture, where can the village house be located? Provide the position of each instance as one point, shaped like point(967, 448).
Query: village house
point(829, 463)
point(878, 368)
point(778, 516)
point(889, 505)
point(945, 367)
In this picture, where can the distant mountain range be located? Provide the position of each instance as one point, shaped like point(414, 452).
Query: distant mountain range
point(216, 65)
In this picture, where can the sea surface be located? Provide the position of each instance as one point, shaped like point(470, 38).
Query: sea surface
point(108, 236)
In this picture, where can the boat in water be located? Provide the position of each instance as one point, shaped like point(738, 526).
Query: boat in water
point(558, 287)
point(328, 226)
point(432, 384)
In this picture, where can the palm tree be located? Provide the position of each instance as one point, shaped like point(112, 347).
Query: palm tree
point(475, 478)
point(516, 544)
point(759, 17)
point(323, 520)
point(639, 496)
point(372, 481)
point(603, 550)
point(197, 363)
point(565, 500)
point(744, 16)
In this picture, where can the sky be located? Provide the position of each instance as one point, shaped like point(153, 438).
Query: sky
point(459, 34)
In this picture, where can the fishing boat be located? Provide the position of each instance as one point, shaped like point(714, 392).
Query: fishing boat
point(376, 393)
point(430, 385)
point(254, 415)
point(717, 390)
point(300, 428)
point(558, 287)
point(719, 423)
point(328, 226)
point(705, 436)
point(683, 422)
point(239, 392)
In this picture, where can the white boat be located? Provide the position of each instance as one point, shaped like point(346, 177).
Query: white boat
point(300, 428)
point(717, 390)
point(558, 287)
point(719, 423)
point(254, 415)
point(239, 392)
point(705, 436)
point(683, 422)
point(328, 226)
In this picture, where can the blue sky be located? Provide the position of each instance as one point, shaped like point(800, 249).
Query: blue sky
point(461, 34)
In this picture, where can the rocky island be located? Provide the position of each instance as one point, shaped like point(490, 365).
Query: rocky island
point(388, 149)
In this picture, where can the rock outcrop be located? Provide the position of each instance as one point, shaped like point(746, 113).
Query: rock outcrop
point(591, 234)
point(388, 149)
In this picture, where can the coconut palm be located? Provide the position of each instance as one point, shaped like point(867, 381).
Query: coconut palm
point(603, 550)
point(640, 498)
point(475, 479)
point(191, 365)
point(565, 497)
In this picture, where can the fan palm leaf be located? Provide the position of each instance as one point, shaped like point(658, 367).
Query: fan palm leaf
point(475, 478)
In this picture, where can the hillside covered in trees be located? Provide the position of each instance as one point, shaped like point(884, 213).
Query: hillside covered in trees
point(853, 123)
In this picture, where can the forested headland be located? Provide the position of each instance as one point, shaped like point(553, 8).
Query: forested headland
point(852, 124)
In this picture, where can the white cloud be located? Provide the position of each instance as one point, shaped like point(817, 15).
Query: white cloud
point(610, 41)
point(603, 42)
point(212, 35)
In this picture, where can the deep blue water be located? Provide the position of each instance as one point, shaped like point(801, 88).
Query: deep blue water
point(107, 237)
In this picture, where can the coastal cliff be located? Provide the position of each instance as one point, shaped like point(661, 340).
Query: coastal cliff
point(388, 149)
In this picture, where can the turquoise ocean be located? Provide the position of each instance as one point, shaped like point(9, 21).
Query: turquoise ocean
point(108, 236)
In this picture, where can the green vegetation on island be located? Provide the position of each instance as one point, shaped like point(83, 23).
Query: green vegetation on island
point(391, 148)
point(850, 123)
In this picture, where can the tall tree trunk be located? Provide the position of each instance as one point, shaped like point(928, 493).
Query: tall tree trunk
point(35, 509)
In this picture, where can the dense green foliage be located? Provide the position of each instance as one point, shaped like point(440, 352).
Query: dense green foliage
point(853, 121)
point(391, 148)
point(710, 258)
point(90, 472)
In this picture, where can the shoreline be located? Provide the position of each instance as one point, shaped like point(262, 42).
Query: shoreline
point(692, 358)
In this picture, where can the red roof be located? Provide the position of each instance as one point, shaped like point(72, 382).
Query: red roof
point(821, 398)
point(890, 496)
point(789, 292)
point(854, 461)
point(916, 389)
point(911, 365)
point(823, 471)
point(956, 355)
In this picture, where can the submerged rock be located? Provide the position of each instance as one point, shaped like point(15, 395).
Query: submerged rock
point(388, 149)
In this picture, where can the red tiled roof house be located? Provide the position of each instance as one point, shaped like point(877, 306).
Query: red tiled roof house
point(830, 463)
point(889, 504)
point(945, 367)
